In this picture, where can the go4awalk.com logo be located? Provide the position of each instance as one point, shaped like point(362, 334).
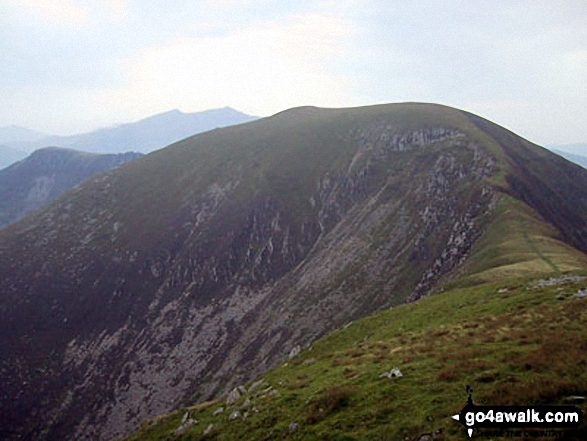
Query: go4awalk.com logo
point(514, 417)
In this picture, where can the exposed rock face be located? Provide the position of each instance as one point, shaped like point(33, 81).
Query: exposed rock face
point(47, 173)
point(200, 266)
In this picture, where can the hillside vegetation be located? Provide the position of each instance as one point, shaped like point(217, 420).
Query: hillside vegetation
point(201, 266)
point(522, 342)
point(512, 326)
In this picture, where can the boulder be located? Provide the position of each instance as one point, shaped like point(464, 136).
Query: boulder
point(295, 351)
point(394, 373)
point(233, 396)
point(256, 384)
point(208, 429)
point(185, 425)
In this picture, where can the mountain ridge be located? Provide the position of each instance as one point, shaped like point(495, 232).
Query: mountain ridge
point(145, 135)
point(15, 133)
point(45, 174)
point(265, 236)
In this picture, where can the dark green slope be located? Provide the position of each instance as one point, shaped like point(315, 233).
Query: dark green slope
point(201, 265)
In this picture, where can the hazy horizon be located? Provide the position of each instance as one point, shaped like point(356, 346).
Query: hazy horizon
point(72, 67)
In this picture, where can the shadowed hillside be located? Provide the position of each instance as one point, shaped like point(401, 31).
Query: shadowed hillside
point(200, 266)
point(47, 173)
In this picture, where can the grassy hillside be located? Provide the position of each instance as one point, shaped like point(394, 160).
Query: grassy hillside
point(512, 327)
point(514, 343)
point(518, 244)
point(200, 266)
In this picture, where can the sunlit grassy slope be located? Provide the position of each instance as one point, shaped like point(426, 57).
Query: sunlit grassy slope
point(514, 343)
point(495, 328)
point(518, 244)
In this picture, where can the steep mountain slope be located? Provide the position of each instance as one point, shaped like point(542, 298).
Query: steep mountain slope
point(201, 265)
point(47, 173)
point(146, 135)
point(516, 342)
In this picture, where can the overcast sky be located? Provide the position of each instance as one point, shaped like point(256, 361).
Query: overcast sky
point(69, 66)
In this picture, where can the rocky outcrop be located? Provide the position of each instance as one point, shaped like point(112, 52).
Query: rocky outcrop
point(193, 270)
point(47, 173)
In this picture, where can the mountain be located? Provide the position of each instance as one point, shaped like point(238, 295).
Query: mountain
point(514, 342)
point(47, 173)
point(10, 134)
point(9, 155)
point(577, 159)
point(575, 149)
point(147, 134)
point(200, 266)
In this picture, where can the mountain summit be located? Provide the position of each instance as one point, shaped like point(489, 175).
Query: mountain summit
point(142, 136)
point(201, 265)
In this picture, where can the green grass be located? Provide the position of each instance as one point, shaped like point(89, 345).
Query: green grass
point(489, 326)
point(518, 243)
point(514, 343)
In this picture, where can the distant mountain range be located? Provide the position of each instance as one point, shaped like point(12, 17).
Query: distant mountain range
point(194, 269)
point(143, 136)
point(47, 173)
point(11, 134)
point(574, 149)
point(573, 157)
point(10, 155)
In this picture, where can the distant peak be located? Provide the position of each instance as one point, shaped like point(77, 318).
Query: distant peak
point(52, 150)
point(172, 112)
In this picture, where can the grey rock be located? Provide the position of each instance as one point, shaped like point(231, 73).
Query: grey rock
point(295, 351)
point(553, 281)
point(394, 373)
point(185, 425)
point(266, 390)
point(234, 415)
point(218, 411)
point(208, 429)
point(581, 294)
point(256, 384)
point(293, 426)
point(429, 436)
point(233, 396)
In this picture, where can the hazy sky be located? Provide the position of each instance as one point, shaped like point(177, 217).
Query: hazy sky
point(74, 65)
